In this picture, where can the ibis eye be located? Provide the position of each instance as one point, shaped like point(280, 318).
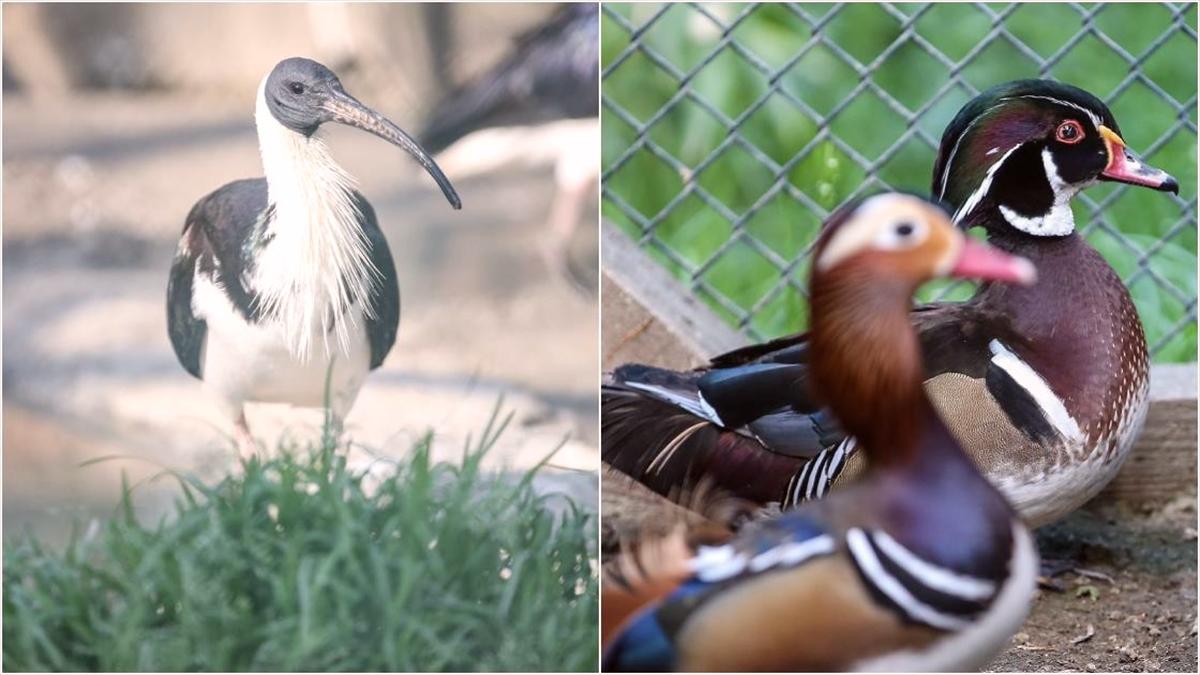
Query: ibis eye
point(1069, 132)
point(296, 88)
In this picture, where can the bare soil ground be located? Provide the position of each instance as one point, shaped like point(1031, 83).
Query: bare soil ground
point(95, 193)
point(1133, 609)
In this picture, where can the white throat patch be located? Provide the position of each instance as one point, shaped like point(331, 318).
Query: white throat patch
point(1059, 220)
point(317, 265)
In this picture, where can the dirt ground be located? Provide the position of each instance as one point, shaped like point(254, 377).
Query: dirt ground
point(1133, 609)
point(95, 192)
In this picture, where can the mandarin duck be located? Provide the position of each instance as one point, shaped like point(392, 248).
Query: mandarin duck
point(1045, 386)
point(283, 288)
point(919, 564)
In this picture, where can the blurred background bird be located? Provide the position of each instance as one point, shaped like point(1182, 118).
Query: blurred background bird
point(537, 106)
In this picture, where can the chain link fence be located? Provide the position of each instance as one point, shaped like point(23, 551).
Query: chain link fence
point(732, 131)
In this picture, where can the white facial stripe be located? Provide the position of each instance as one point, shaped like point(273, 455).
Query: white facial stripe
point(985, 185)
point(937, 578)
point(1028, 379)
point(1096, 121)
point(954, 150)
point(1059, 220)
point(864, 556)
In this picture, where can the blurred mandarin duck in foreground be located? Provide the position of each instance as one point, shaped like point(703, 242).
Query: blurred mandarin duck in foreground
point(1045, 386)
point(919, 564)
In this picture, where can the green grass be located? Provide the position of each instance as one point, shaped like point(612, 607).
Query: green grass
point(299, 563)
point(745, 276)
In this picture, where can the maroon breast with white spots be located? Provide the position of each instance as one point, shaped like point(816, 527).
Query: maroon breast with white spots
point(1081, 334)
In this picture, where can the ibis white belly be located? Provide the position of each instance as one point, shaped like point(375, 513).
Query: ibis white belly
point(244, 361)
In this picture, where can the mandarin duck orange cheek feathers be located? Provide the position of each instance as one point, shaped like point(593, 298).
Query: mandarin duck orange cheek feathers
point(919, 565)
point(1046, 386)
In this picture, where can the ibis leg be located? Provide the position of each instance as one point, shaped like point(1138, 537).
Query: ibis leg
point(565, 213)
point(245, 440)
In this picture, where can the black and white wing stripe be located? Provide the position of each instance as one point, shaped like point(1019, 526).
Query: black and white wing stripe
point(915, 589)
point(815, 478)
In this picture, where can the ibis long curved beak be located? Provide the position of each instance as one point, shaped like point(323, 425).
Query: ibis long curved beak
point(1126, 167)
point(346, 109)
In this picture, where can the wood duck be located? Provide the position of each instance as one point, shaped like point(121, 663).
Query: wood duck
point(920, 564)
point(1045, 386)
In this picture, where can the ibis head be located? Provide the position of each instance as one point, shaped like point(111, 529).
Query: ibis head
point(303, 94)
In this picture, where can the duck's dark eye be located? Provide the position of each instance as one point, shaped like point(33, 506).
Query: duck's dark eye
point(1070, 132)
point(296, 88)
point(903, 230)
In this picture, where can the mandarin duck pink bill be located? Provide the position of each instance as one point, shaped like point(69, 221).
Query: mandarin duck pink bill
point(1045, 386)
point(920, 564)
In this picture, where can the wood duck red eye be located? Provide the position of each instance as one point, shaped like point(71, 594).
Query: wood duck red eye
point(1070, 132)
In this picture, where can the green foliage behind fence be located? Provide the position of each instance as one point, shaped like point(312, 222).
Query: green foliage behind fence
point(730, 131)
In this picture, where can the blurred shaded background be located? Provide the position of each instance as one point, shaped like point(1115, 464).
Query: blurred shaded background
point(117, 118)
point(731, 131)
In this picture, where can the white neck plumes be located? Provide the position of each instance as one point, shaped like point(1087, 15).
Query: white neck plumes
point(316, 265)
